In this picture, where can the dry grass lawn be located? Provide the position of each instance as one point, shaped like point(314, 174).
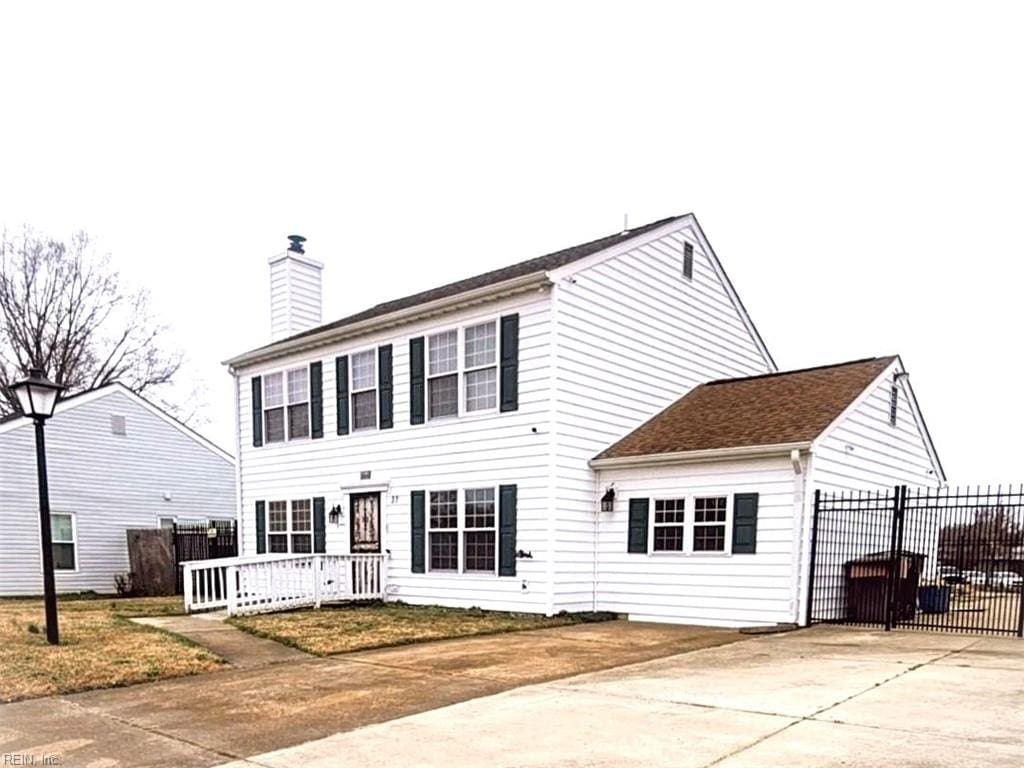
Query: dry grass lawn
point(343, 629)
point(99, 647)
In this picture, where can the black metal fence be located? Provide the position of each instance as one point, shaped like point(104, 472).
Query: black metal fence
point(203, 541)
point(947, 559)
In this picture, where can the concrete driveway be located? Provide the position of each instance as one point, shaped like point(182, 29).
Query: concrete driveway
point(201, 721)
point(820, 697)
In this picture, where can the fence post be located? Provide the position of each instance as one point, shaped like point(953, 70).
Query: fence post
point(895, 557)
point(231, 586)
point(813, 557)
point(318, 562)
point(186, 585)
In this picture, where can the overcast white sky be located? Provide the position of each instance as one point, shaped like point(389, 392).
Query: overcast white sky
point(860, 173)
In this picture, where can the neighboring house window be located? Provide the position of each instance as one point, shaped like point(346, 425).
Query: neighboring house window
point(298, 403)
point(477, 364)
point(443, 374)
point(62, 534)
point(290, 532)
point(166, 522)
point(364, 390)
point(479, 530)
point(669, 521)
point(709, 524)
point(894, 403)
point(444, 535)
point(481, 359)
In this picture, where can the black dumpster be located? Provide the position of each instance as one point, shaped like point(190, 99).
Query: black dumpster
point(867, 585)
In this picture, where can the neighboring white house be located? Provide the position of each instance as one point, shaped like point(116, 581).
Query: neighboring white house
point(115, 462)
point(456, 432)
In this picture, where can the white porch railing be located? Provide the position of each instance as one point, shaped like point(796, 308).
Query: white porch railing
point(267, 583)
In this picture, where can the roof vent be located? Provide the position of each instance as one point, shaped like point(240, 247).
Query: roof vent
point(296, 243)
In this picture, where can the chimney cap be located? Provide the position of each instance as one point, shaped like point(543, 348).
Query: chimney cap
point(296, 243)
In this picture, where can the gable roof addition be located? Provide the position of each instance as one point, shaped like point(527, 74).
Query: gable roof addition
point(771, 409)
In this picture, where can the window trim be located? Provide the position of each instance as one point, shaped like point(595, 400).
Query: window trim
point(653, 513)
point(286, 403)
point(290, 530)
point(374, 353)
point(461, 529)
point(73, 542)
point(689, 524)
point(461, 369)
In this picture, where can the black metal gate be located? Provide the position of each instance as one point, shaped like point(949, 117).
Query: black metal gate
point(946, 559)
point(203, 541)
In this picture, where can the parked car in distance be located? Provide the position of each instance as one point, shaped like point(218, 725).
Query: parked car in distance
point(973, 577)
point(1006, 580)
point(950, 574)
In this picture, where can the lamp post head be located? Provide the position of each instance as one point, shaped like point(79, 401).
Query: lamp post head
point(37, 395)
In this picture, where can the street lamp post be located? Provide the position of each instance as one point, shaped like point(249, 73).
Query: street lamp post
point(37, 397)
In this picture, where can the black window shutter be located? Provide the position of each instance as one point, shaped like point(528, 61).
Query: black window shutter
point(257, 411)
point(510, 363)
point(417, 381)
point(261, 527)
point(341, 392)
point(387, 400)
point(638, 509)
point(507, 530)
point(688, 260)
point(319, 526)
point(316, 399)
point(744, 523)
point(418, 526)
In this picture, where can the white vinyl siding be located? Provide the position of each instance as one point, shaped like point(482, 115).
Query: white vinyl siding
point(693, 587)
point(110, 483)
point(477, 450)
point(633, 335)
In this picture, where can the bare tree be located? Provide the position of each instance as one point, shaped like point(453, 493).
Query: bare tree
point(63, 310)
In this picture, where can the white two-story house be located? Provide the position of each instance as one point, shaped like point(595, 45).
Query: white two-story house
point(471, 433)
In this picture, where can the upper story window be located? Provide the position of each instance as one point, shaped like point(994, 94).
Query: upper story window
point(364, 390)
point(469, 354)
point(286, 412)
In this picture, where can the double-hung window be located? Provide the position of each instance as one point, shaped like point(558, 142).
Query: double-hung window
point(286, 405)
point(481, 361)
point(669, 524)
point(478, 534)
point(444, 533)
point(462, 359)
point(462, 531)
point(290, 527)
point(709, 515)
point(298, 403)
point(364, 390)
point(62, 533)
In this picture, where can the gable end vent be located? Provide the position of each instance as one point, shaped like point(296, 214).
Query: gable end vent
point(118, 425)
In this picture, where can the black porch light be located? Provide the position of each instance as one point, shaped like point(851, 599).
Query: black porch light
point(608, 500)
point(335, 514)
point(37, 397)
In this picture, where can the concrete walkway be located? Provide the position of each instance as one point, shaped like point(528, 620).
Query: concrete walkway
point(238, 648)
point(822, 697)
point(222, 716)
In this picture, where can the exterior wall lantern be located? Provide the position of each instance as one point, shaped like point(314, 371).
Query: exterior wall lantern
point(608, 500)
point(37, 397)
point(335, 514)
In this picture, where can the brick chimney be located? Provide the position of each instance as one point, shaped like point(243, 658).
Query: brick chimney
point(295, 298)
